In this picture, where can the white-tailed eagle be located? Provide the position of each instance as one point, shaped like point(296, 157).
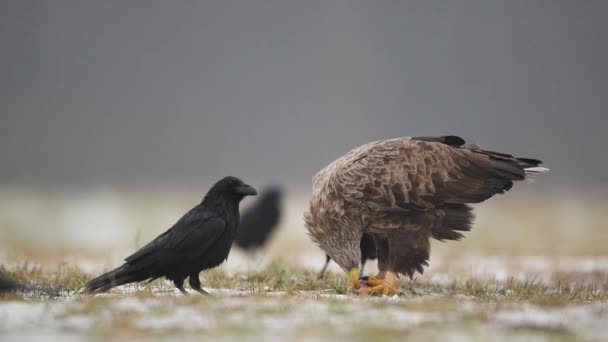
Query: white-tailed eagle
point(403, 192)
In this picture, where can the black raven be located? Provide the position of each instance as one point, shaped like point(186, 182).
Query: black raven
point(8, 284)
point(200, 240)
point(260, 220)
point(368, 252)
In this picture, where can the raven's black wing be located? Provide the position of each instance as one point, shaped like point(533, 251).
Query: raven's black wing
point(259, 221)
point(193, 234)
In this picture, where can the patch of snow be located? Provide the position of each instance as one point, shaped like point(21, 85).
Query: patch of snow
point(39, 318)
point(16, 315)
point(179, 317)
point(587, 319)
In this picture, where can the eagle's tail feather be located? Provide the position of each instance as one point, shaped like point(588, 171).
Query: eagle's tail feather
point(532, 168)
point(512, 168)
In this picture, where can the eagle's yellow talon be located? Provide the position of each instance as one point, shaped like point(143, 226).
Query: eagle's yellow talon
point(373, 281)
point(379, 286)
point(382, 289)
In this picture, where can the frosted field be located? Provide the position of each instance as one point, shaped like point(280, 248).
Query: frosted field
point(534, 268)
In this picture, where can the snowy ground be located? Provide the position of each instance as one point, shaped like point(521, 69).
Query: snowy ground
point(230, 315)
point(528, 271)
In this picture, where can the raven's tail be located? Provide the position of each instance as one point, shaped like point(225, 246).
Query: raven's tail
point(8, 284)
point(123, 275)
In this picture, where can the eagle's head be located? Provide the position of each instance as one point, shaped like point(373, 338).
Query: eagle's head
point(327, 232)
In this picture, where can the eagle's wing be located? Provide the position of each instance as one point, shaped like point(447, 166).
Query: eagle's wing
point(415, 174)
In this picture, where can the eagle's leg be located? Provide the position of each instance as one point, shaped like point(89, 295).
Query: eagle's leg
point(381, 274)
point(407, 252)
point(195, 284)
point(327, 260)
point(353, 279)
point(384, 286)
point(382, 250)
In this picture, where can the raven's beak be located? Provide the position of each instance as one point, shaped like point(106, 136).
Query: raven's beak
point(246, 190)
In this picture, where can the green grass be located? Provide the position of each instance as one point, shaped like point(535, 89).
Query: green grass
point(281, 277)
point(281, 296)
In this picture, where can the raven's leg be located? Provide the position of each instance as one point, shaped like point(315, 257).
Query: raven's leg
point(195, 284)
point(179, 283)
point(324, 267)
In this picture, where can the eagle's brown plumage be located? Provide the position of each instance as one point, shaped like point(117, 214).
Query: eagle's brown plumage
point(403, 192)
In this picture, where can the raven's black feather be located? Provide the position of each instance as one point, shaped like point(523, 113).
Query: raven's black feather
point(200, 240)
point(8, 284)
point(260, 220)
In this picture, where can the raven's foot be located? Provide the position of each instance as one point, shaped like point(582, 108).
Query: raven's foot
point(195, 284)
point(201, 291)
point(183, 291)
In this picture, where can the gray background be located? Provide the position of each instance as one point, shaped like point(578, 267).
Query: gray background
point(175, 92)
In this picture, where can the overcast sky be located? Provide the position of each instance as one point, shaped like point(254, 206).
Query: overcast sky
point(114, 92)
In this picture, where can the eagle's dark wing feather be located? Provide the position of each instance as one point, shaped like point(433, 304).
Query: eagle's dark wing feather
point(451, 140)
point(410, 175)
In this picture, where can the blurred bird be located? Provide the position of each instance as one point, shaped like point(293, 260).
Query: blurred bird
point(8, 284)
point(200, 240)
point(260, 220)
point(368, 252)
point(403, 192)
